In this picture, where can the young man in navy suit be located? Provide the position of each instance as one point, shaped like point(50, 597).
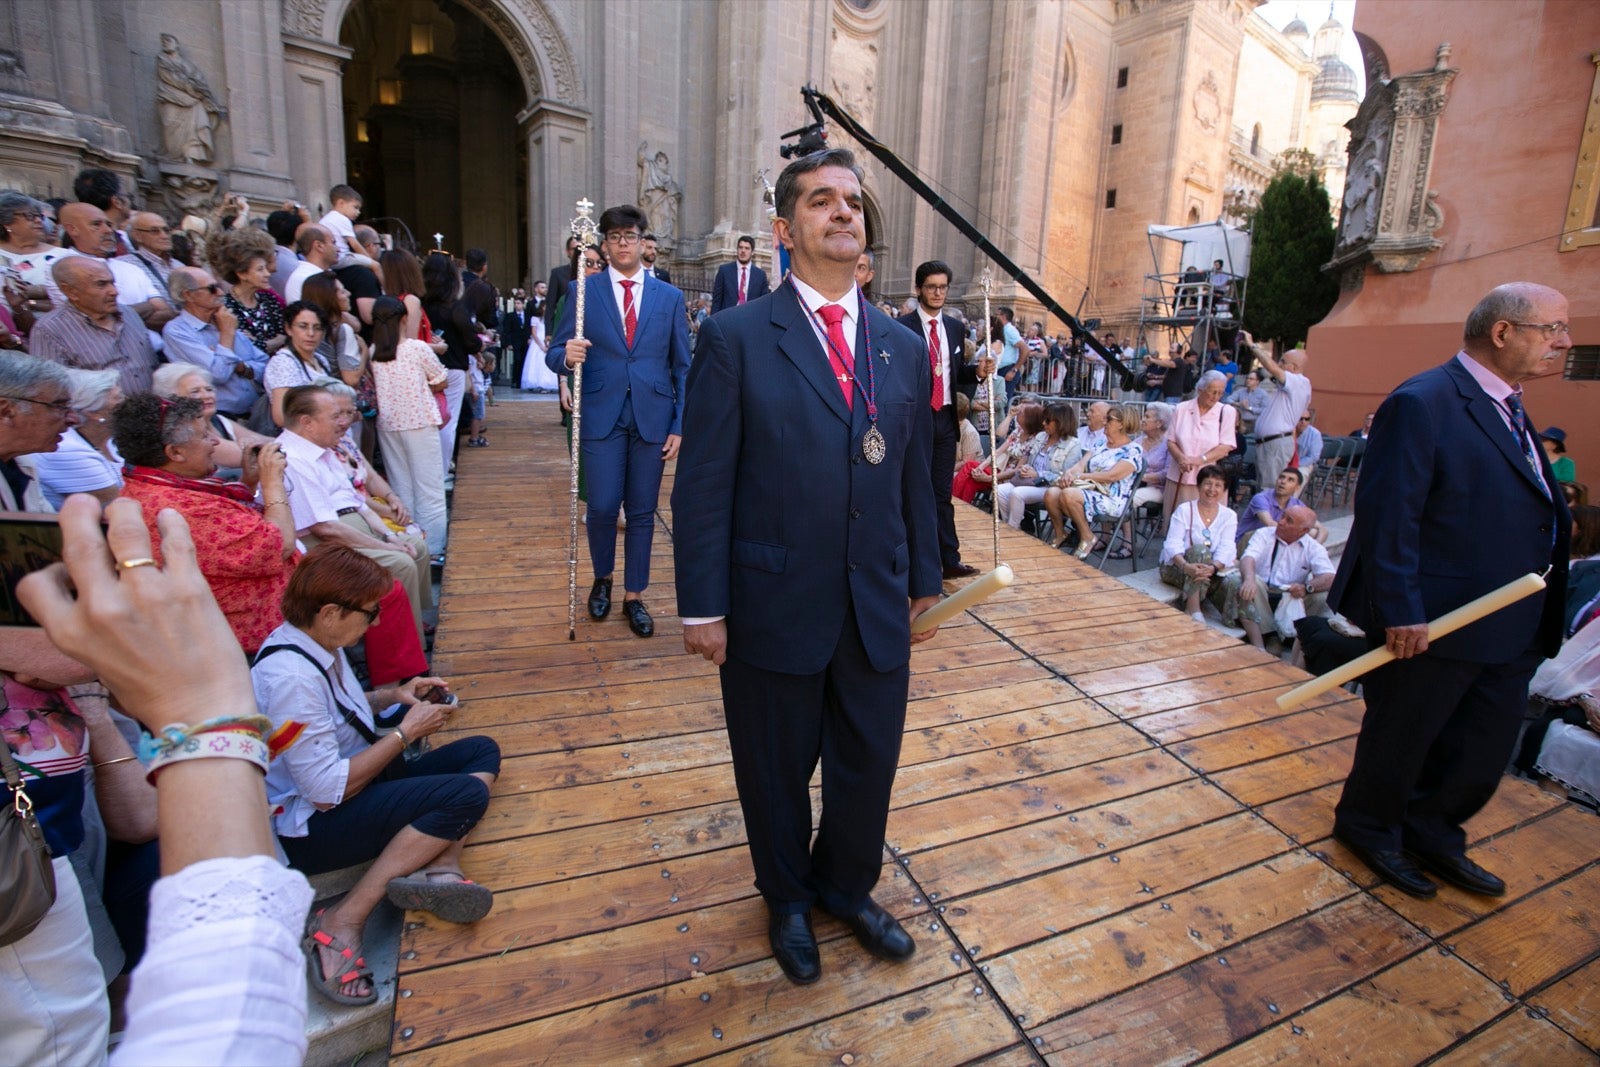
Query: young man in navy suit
point(732, 277)
point(1456, 499)
point(943, 336)
point(636, 354)
point(805, 544)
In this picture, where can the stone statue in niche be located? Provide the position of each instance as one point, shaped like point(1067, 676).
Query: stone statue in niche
point(1363, 186)
point(659, 194)
point(189, 110)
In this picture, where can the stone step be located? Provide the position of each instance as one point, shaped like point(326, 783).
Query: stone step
point(338, 1035)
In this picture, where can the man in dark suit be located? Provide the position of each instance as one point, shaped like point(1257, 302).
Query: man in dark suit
point(1456, 499)
point(636, 347)
point(737, 283)
point(647, 254)
point(805, 544)
point(514, 333)
point(943, 336)
point(556, 287)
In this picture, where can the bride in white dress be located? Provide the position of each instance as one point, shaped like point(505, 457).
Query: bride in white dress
point(535, 374)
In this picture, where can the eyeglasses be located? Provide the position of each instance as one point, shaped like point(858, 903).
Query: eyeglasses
point(152, 229)
point(32, 216)
point(1551, 330)
point(936, 288)
point(60, 407)
point(214, 289)
point(620, 237)
point(371, 613)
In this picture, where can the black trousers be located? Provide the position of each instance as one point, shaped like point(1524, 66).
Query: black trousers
point(1434, 741)
point(946, 438)
point(849, 716)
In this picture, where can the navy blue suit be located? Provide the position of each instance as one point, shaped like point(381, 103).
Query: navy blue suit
point(811, 553)
point(725, 287)
point(1448, 508)
point(632, 400)
point(946, 431)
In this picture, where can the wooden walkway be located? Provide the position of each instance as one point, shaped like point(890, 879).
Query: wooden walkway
point(1109, 843)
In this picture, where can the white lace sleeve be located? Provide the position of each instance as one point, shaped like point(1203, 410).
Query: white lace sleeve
point(223, 978)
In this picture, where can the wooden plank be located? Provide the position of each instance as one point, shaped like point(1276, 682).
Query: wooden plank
point(682, 1021)
point(1515, 1038)
point(1403, 1015)
point(1293, 772)
point(1248, 744)
point(930, 1026)
point(1183, 693)
point(968, 866)
point(1137, 654)
point(1051, 978)
point(1539, 938)
point(987, 811)
point(1573, 1003)
point(565, 807)
point(1000, 920)
point(1198, 720)
point(987, 767)
point(1197, 1009)
point(1175, 669)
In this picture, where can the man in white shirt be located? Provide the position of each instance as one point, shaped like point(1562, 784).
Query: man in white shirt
point(1092, 434)
point(152, 247)
point(1275, 426)
point(327, 507)
point(1281, 561)
point(317, 254)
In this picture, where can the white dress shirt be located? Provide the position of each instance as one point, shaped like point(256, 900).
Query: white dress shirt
point(319, 482)
point(617, 278)
point(1280, 565)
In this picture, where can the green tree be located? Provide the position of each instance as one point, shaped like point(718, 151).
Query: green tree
point(1291, 237)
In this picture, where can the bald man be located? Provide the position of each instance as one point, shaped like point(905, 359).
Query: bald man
point(1281, 561)
point(1277, 424)
point(90, 329)
point(317, 254)
point(91, 235)
point(152, 247)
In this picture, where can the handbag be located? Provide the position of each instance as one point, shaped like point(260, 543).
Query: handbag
point(27, 877)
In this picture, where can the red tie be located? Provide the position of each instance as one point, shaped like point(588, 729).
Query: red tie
point(937, 399)
point(630, 317)
point(742, 283)
point(838, 351)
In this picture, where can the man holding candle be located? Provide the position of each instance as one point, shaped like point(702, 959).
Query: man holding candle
point(1455, 500)
point(806, 542)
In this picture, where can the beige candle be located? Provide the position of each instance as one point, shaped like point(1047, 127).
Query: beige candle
point(1465, 615)
point(968, 596)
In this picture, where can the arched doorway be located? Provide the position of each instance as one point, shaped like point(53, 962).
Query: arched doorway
point(431, 106)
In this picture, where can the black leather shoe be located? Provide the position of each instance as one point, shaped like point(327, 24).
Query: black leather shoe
point(1460, 871)
point(600, 599)
point(879, 932)
point(1395, 868)
point(960, 570)
point(794, 946)
point(639, 620)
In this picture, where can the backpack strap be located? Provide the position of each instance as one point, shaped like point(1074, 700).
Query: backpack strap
point(350, 717)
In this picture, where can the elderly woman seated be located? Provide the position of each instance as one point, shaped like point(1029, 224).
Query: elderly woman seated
point(245, 549)
point(85, 460)
point(1059, 450)
point(174, 380)
point(347, 794)
point(1199, 545)
point(1098, 486)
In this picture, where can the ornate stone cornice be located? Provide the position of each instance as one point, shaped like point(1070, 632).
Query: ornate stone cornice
point(1389, 214)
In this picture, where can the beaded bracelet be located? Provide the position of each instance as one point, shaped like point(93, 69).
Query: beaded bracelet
point(216, 745)
point(176, 734)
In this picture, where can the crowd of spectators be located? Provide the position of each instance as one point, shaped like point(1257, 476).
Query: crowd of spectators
point(235, 402)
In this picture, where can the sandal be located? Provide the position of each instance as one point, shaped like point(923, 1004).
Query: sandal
point(463, 901)
point(1122, 553)
point(1086, 549)
point(329, 985)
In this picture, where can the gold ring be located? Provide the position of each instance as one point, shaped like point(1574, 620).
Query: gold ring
point(130, 564)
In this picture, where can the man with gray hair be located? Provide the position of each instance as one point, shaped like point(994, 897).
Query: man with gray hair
point(1456, 499)
point(92, 330)
point(1280, 414)
point(207, 334)
point(152, 247)
point(35, 410)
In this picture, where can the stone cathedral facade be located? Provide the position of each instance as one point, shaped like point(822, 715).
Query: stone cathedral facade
point(1060, 127)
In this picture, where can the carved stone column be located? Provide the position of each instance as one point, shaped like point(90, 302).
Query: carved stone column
point(1389, 215)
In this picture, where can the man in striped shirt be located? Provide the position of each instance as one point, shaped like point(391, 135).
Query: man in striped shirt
point(91, 331)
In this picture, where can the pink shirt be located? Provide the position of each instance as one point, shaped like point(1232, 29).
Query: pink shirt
point(1196, 434)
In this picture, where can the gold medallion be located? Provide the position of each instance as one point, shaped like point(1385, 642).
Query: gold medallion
point(873, 446)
